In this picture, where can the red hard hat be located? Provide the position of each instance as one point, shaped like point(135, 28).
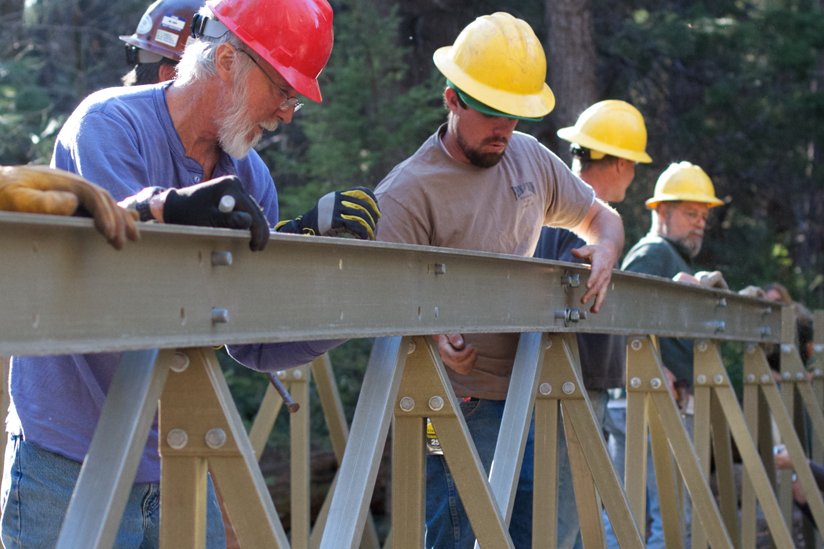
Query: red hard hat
point(164, 29)
point(294, 36)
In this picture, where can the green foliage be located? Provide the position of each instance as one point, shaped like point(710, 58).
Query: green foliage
point(370, 119)
point(733, 87)
point(28, 120)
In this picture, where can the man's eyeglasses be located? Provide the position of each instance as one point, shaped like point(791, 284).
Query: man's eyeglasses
point(288, 102)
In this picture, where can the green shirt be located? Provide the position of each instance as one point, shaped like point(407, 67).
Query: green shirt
point(656, 255)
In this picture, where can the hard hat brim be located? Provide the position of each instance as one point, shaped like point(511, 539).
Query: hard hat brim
point(572, 135)
point(533, 105)
point(710, 201)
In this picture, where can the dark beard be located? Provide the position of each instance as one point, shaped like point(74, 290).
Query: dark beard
point(479, 159)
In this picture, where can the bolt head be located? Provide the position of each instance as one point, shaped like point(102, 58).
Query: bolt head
point(545, 389)
point(407, 404)
point(177, 439)
point(436, 403)
point(568, 388)
point(215, 438)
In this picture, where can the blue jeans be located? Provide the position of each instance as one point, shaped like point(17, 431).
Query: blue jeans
point(37, 487)
point(447, 525)
point(568, 525)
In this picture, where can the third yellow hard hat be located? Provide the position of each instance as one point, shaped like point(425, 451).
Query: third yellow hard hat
point(684, 181)
point(611, 127)
point(498, 60)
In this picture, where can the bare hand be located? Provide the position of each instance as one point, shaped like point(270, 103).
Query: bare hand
point(686, 278)
point(455, 354)
point(602, 260)
point(782, 458)
point(712, 279)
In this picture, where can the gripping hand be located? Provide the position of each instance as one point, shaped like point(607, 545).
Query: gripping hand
point(352, 212)
point(39, 189)
point(200, 205)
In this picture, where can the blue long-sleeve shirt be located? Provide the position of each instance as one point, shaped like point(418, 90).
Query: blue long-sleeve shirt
point(123, 139)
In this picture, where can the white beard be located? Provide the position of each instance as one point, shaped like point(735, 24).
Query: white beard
point(234, 125)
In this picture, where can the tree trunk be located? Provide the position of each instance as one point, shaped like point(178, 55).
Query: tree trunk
point(571, 64)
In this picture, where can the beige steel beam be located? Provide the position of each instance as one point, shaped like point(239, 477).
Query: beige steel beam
point(651, 405)
point(717, 417)
point(757, 371)
point(66, 290)
point(201, 429)
point(426, 392)
point(561, 390)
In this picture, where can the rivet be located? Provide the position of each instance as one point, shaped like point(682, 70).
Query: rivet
point(786, 348)
point(719, 379)
point(701, 379)
point(297, 373)
point(407, 404)
point(750, 378)
point(436, 403)
point(635, 345)
point(568, 388)
point(799, 376)
point(702, 346)
point(786, 376)
point(635, 382)
point(221, 259)
point(180, 361)
point(215, 438)
point(177, 439)
point(765, 378)
point(220, 315)
point(545, 389)
point(655, 383)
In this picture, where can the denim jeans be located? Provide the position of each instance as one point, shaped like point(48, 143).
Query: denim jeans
point(37, 487)
point(447, 525)
point(568, 525)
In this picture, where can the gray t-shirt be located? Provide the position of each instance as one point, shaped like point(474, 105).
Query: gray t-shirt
point(433, 199)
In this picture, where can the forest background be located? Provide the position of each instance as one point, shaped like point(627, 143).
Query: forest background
point(730, 85)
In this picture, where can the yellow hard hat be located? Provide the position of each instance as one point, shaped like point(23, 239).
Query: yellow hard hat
point(683, 181)
point(498, 60)
point(610, 127)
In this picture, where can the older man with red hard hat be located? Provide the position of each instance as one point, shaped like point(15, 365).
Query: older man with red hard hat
point(173, 151)
point(478, 184)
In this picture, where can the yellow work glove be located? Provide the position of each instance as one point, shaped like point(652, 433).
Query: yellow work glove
point(353, 212)
point(39, 189)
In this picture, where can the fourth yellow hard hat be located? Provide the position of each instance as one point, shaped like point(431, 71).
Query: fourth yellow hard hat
point(611, 127)
point(498, 61)
point(683, 181)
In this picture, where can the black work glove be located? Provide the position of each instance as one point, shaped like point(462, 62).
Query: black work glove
point(200, 205)
point(353, 212)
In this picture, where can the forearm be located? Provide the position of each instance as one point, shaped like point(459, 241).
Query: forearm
point(603, 227)
point(271, 357)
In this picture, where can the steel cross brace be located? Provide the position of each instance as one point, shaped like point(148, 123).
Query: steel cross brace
point(651, 407)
